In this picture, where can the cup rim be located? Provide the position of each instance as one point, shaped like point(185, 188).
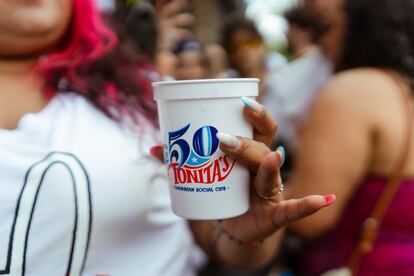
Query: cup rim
point(199, 81)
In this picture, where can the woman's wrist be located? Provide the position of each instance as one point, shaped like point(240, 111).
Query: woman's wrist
point(222, 232)
point(233, 251)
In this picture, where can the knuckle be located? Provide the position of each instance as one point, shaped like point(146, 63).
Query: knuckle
point(242, 150)
point(306, 208)
point(268, 123)
point(293, 212)
point(261, 115)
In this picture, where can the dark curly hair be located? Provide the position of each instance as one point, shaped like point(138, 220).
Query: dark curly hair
point(234, 24)
point(305, 19)
point(380, 33)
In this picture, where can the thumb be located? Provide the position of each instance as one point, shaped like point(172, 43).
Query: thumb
point(268, 181)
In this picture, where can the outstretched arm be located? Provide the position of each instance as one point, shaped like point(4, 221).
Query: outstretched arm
point(252, 239)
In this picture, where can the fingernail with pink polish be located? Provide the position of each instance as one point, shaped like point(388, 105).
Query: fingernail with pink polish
point(228, 140)
point(252, 104)
point(155, 149)
point(330, 199)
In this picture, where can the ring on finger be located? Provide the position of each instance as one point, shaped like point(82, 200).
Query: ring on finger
point(274, 196)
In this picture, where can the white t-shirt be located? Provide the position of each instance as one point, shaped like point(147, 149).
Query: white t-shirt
point(80, 195)
point(291, 91)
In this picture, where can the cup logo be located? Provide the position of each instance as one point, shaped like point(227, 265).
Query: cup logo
point(195, 164)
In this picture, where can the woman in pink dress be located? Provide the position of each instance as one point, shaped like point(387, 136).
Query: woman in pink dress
point(355, 136)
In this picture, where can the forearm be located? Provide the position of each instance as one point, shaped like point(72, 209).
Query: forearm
point(231, 252)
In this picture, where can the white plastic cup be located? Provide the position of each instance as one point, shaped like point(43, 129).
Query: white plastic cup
point(204, 183)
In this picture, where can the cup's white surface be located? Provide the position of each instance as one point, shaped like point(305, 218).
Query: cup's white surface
point(204, 183)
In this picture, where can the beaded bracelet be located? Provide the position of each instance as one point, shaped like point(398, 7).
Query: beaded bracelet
point(213, 248)
point(222, 230)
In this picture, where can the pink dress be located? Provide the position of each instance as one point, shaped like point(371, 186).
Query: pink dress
point(393, 253)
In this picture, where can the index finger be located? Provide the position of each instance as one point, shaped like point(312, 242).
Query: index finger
point(264, 125)
point(247, 151)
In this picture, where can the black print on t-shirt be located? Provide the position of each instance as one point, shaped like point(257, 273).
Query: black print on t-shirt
point(16, 255)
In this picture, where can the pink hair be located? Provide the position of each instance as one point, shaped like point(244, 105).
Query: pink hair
point(87, 39)
point(87, 43)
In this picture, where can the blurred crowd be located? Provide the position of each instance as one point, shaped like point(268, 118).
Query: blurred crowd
point(290, 84)
point(161, 34)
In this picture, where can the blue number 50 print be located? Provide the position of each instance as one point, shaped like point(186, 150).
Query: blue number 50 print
point(179, 149)
point(205, 144)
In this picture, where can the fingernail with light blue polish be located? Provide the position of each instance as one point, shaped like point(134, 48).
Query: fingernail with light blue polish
point(283, 154)
point(252, 104)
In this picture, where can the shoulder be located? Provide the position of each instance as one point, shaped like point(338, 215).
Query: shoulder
point(363, 91)
point(361, 83)
point(74, 104)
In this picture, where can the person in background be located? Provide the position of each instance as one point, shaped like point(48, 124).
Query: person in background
point(356, 137)
point(136, 25)
point(154, 28)
point(80, 192)
point(174, 23)
point(218, 62)
point(303, 31)
point(146, 30)
point(358, 133)
point(292, 90)
point(138, 33)
point(192, 62)
point(246, 50)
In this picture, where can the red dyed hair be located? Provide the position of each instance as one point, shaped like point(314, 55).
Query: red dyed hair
point(87, 39)
point(88, 62)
